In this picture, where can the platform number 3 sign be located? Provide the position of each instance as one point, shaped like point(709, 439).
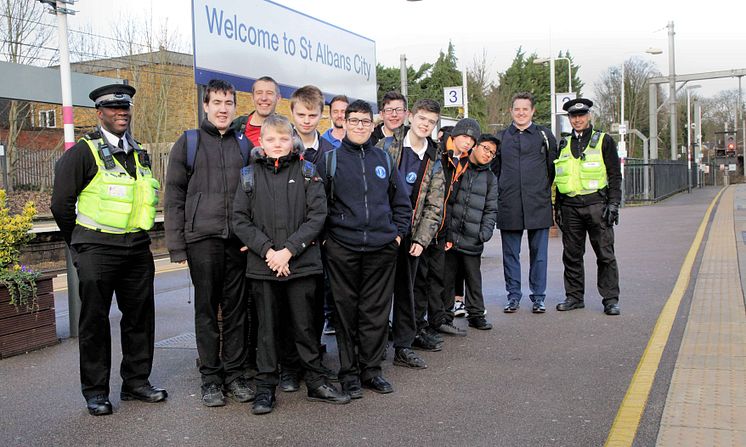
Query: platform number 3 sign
point(453, 96)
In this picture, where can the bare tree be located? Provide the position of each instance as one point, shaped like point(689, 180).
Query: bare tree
point(608, 98)
point(26, 32)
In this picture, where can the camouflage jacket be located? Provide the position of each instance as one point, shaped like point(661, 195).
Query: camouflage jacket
point(429, 191)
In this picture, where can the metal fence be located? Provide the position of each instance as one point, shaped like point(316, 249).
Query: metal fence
point(655, 180)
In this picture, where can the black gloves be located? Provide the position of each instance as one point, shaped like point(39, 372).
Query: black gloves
point(611, 214)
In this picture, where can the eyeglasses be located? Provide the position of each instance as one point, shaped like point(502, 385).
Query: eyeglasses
point(355, 121)
point(425, 120)
point(391, 111)
point(488, 149)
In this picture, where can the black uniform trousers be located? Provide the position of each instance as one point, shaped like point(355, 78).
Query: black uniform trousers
point(218, 268)
point(404, 323)
point(576, 222)
point(429, 286)
point(362, 284)
point(290, 361)
point(127, 271)
point(282, 308)
point(472, 269)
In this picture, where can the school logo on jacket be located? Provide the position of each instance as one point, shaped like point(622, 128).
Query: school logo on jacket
point(411, 177)
point(381, 172)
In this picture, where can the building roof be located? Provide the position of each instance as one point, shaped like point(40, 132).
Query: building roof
point(161, 56)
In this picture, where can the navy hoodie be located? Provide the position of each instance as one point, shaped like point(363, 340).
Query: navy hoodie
point(368, 210)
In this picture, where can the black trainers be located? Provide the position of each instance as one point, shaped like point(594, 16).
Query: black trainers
point(424, 343)
point(289, 381)
point(329, 394)
point(480, 323)
point(263, 403)
point(511, 307)
point(212, 395)
point(240, 390)
point(407, 358)
point(451, 329)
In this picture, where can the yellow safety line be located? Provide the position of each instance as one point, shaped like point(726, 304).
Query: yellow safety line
point(627, 420)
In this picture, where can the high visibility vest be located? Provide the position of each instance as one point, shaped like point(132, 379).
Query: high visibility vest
point(584, 175)
point(114, 202)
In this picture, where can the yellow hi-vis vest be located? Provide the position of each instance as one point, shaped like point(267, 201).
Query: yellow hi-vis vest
point(584, 175)
point(114, 202)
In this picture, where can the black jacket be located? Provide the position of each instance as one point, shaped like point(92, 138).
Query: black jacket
point(613, 192)
point(284, 210)
point(199, 207)
point(72, 173)
point(472, 208)
point(525, 171)
point(368, 209)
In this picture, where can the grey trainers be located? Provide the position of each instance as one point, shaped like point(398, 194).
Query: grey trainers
point(451, 329)
point(212, 395)
point(538, 307)
point(240, 390)
point(511, 307)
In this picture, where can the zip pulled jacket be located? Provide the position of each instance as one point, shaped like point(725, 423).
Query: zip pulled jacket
point(283, 210)
point(369, 207)
point(199, 206)
point(473, 210)
point(428, 192)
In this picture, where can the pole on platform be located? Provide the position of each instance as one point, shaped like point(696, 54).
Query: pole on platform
point(61, 10)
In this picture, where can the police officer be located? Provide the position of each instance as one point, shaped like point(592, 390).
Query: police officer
point(104, 202)
point(588, 179)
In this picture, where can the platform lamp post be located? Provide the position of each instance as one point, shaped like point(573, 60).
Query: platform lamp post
point(689, 135)
point(552, 88)
point(622, 149)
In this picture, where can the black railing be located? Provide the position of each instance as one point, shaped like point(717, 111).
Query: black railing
point(664, 179)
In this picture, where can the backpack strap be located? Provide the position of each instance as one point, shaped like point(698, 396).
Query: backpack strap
point(247, 179)
point(330, 160)
point(244, 146)
point(192, 142)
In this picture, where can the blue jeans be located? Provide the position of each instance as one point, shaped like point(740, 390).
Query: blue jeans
point(538, 241)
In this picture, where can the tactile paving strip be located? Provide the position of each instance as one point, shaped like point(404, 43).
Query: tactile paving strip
point(186, 340)
point(706, 403)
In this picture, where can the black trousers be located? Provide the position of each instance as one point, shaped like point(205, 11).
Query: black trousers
point(362, 284)
point(404, 323)
point(218, 268)
point(429, 286)
point(104, 270)
point(576, 223)
point(472, 269)
point(289, 356)
point(286, 308)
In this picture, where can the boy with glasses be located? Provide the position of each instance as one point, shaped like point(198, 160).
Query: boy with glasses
point(368, 216)
point(394, 113)
point(472, 210)
point(416, 157)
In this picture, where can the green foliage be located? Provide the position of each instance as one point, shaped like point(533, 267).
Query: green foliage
point(524, 75)
point(14, 235)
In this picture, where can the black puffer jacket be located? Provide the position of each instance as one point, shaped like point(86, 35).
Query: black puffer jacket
point(285, 210)
point(199, 207)
point(473, 209)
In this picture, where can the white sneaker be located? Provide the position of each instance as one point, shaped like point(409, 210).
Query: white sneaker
point(459, 310)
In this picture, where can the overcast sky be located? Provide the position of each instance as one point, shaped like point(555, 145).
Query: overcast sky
point(599, 34)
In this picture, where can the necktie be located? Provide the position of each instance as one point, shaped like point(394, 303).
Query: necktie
point(121, 143)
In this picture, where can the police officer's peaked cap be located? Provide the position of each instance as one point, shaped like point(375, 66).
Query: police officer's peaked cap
point(113, 95)
point(578, 106)
point(467, 126)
